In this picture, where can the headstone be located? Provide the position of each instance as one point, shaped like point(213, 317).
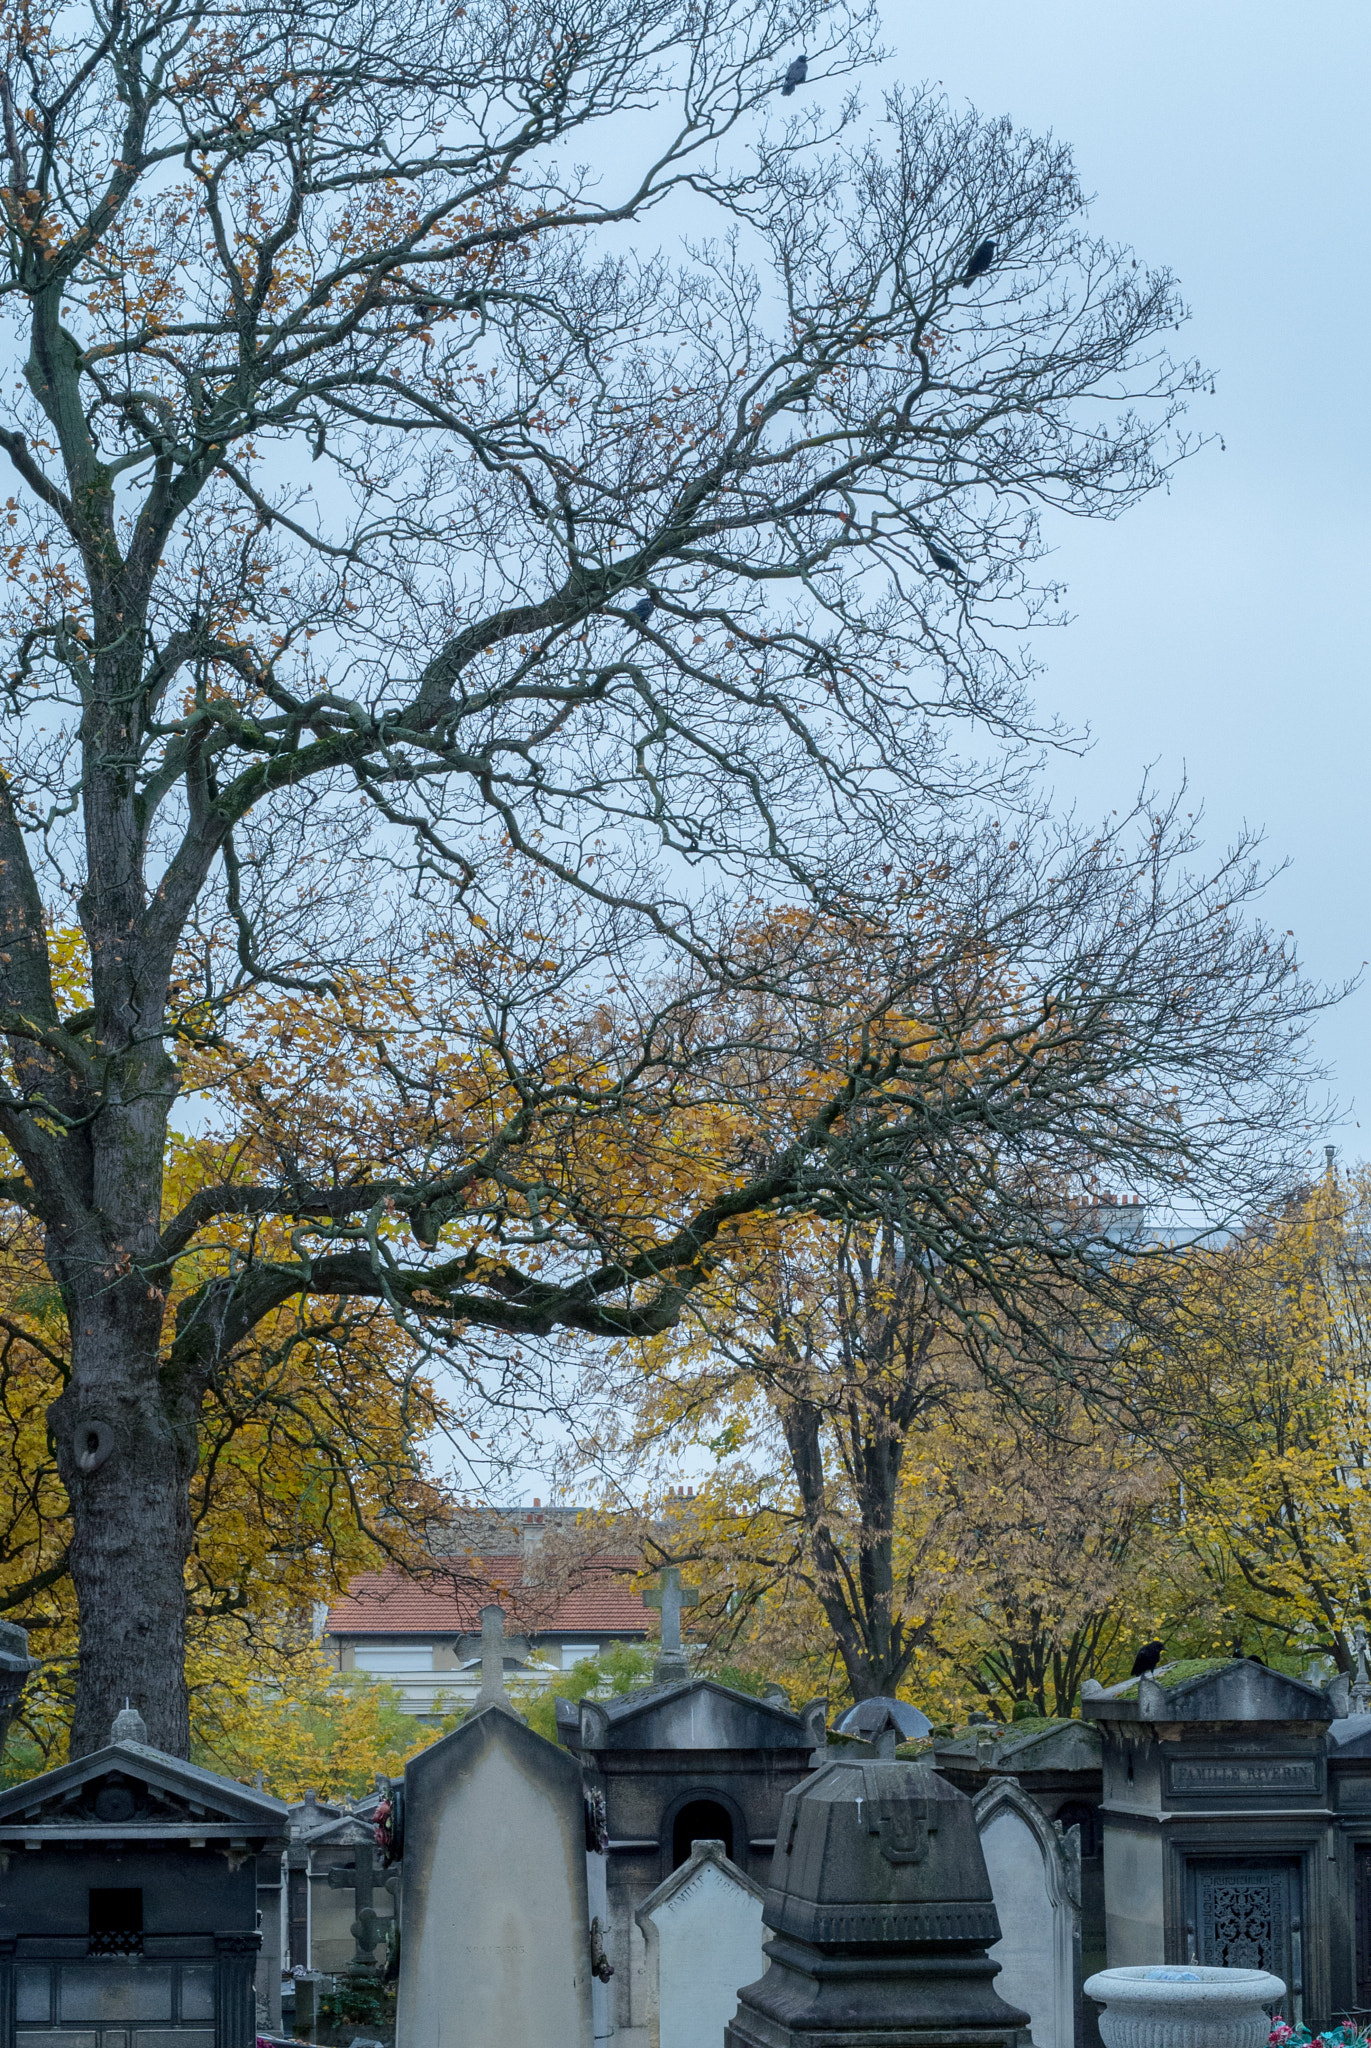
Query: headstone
point(494, 1911)
point(881, 1915)
point(366, 1929)
point(703, 1934)
point(672, 1666)
point(1035, 1876)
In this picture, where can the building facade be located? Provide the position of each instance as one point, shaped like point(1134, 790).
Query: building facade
point(421, 1633)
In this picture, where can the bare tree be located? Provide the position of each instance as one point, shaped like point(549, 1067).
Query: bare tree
point(355, 433)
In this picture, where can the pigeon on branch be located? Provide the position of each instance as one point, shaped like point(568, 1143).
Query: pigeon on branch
point(643, 610)
point(796, 75)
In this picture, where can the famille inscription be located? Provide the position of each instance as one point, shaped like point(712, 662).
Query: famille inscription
point(1234, 1774)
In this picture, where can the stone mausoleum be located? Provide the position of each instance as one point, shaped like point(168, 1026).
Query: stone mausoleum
point(129, 1902)
point(676, 1764)
point(1237, 1829)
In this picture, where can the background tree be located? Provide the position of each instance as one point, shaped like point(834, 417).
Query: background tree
point(883, 1519)
point(1271, 1495)
point(349, 441)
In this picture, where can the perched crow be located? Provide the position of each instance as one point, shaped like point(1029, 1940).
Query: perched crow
point(643, 610)
point(796, 75)
point(1147, 1659)
point(944, 560)
point(980, 262)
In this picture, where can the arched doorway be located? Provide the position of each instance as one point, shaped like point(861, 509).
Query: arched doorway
point(701, 1820)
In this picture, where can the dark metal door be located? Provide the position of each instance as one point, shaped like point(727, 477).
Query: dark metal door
point(1245, 1915)
point(1363, 1896)
point(297, 1921)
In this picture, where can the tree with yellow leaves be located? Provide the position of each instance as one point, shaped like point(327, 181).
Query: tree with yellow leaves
point(427, 623)
point(883, 1512)
point(1275, 1353)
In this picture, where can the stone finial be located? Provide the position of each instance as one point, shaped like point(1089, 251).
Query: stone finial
point(129, 1726)
point(1360, 1689)
point(670, 1597)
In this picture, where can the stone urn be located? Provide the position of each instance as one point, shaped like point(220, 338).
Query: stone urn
point(1183, 2005)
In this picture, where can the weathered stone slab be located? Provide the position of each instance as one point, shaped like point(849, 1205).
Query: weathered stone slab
point(1035, 1877)
point(703, 1930)
point(495, 1925)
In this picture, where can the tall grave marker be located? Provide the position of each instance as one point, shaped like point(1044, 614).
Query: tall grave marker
point(495, 1923)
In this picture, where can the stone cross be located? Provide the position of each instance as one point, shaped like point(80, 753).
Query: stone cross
point(670, 1597)
point(359, 1877)
point(492, 1693)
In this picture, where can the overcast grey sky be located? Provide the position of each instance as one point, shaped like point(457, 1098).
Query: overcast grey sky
point(1219, 631)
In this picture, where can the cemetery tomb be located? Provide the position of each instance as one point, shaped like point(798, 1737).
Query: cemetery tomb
point(1057, 1763)
point(702, 1931)
point(1220, 1844)
point(1034, 1871)
point(677, 1764)
point(494, 1909)
point(128, 1902)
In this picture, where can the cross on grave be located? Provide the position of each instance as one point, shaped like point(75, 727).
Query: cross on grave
point(359, 1877)
point(492, 1693)
point(670, 1597)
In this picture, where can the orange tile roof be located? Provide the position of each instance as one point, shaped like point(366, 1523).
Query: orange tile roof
point(601, 1599)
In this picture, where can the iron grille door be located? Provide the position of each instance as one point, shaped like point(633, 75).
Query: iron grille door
point(1246, 1916)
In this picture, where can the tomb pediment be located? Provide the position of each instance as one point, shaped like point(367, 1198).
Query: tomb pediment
point(131, 1790)
point(1039, 1746)
point(1240, 1690)
point(697, 1714)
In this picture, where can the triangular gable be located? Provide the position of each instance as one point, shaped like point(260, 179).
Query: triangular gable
point(1241, 1691)
point(696, 1714)
point(702, 1854)
point(134, 1790)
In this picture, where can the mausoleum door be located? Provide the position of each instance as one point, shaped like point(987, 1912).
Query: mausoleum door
point(703, 1820)
point(1245, 1914)
point(1363, 1897)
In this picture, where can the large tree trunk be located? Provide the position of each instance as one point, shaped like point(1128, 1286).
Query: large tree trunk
point(126, 1451)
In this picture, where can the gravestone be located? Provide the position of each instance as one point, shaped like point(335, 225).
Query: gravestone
point(670, 1597)
point(1035, 1876)
point(495, 1945)
point(128, 1901)
point(703, 1935)
point(1057, 1763)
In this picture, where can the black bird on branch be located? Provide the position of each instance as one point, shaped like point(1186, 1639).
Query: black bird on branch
point(643, 610)
point(1147, 1659)
point(796, 75)
point(943, 560)
point(981, 260)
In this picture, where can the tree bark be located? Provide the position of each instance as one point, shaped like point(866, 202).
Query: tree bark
point(126, 1452)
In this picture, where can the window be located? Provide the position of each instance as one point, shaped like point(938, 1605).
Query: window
point(382, 1662)
point(116, 1920)
point(572, 1653)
